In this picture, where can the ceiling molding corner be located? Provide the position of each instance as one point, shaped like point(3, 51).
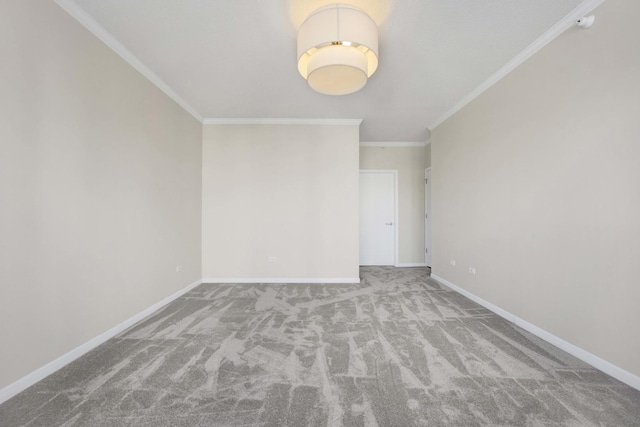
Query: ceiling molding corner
point(565, 23)
point(281, 121)
point(107, 38)
point(392, 144)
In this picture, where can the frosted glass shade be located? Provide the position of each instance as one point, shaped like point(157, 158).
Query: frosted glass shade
point(337, 70)
point(337, 49)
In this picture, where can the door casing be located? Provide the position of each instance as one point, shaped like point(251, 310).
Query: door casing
point(394, 173)
point(427, 217)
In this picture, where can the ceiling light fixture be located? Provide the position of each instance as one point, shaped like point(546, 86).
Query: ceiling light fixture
point(337, 49)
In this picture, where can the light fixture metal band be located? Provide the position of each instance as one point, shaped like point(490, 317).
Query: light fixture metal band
point(322, 27)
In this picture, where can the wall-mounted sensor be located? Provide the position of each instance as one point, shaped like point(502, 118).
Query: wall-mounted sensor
point(586, 21)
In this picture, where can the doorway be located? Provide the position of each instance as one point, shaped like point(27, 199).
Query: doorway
point(378, 217)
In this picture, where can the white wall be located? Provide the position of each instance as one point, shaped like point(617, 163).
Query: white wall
point(284, 191)
point(536, 184)
point(410, 162)
point(100, 177)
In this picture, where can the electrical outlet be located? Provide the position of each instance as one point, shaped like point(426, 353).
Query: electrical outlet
point(273, 259)
point(472, 270)
point(178, 268)
point(453, 262)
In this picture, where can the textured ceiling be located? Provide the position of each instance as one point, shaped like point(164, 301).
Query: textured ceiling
point(236, 58)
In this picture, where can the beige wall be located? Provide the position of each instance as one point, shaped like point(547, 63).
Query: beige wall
point(410, 162)
point(99, 188)
point(536, 184)
point(427, 152)
point(284, 191)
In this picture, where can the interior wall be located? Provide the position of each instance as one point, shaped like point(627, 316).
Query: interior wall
point(283, 191)
point(536, 185)
point(100, 177)
point(410, 162)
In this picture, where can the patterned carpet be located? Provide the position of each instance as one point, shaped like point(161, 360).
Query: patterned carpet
point(395, 350)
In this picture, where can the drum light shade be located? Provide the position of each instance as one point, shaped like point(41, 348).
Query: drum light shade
point(337, 49)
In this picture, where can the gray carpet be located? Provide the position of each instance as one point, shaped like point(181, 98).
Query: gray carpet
point(395, 350)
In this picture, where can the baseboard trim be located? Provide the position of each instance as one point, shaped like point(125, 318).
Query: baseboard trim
point(411, 264)
point(593, 360)
point(39, 374)
point(231, 280)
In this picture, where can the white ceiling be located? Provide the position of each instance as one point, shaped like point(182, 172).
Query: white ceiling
point(236, 58)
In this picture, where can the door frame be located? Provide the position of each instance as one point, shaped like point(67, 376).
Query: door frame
point(393, 172)
point(427, 216)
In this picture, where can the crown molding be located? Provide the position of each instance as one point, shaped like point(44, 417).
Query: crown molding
point(107, 38)
point(392, 144)
point(281, 121)
point(564, 24)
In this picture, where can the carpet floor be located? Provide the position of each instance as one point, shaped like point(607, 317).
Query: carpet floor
point(396, 350)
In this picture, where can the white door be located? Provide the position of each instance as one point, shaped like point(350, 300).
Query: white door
point(377, 217)
point(427, 216)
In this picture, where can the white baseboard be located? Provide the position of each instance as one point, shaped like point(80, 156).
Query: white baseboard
point(410, 264)
point(27, 381)
point(593, 360)
point(231, 280)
